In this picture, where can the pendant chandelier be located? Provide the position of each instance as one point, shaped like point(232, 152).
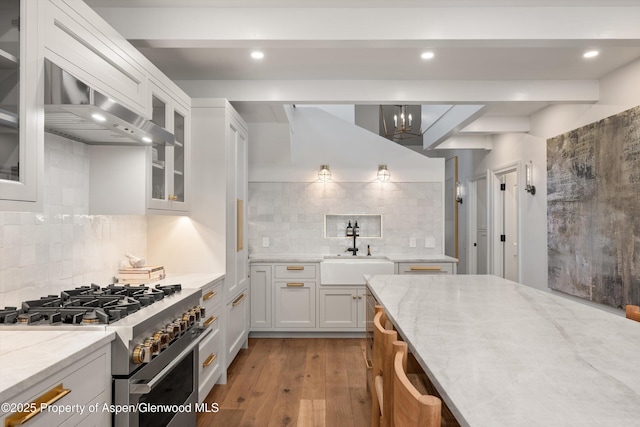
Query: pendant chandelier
point(404, 125)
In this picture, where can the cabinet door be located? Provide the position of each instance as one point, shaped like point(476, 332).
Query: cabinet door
point(338, 307)
point(362, 308)
point(160, 156)
point(295, 304)
point(21, 134)
point(237, 252)
point(261, 292)
point(237, 331)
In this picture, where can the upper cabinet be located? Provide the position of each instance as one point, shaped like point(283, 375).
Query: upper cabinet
point(20, 142)
point(170, 164)
point(146, 177)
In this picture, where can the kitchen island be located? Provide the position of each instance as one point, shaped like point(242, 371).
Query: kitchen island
point(504, 354)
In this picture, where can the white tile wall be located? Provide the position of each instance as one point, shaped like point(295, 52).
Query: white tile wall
point(63, 246)
point(291, 215)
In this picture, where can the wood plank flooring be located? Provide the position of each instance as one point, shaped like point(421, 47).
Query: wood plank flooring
point(304, 382)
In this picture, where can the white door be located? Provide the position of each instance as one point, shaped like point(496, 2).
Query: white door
point(478, 226)
point(506, 215)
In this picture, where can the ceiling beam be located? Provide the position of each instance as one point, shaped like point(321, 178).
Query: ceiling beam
point(394, 91)
point(497, 124)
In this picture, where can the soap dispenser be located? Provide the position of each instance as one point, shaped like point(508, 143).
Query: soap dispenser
point(349, 230)
point(356, 230)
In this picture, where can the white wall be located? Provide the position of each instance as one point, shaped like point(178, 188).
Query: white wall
point(620, 90)
point(352, 153)
point(63, 246)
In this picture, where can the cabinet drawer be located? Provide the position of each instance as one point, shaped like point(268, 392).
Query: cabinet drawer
point(425, 268)
point(212, 318)
point(212, 295)
point(296, 271)
point(85, 381)
point(210, 366)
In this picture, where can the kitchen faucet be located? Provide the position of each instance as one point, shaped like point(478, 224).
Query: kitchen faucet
point(353, 232)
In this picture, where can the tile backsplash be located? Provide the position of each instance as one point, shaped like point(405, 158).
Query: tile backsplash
point(291, 216)
point(63, 246)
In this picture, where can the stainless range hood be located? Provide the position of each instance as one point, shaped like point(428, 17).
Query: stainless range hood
point(74, 110)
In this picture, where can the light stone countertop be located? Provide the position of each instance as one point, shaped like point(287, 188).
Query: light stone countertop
point(29, 357)
point(268, 258)
point(506, 355)
point(191, 280)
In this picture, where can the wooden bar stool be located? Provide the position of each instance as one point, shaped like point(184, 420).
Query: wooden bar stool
point(410, 407)
point(382, 396)
point(633, 312)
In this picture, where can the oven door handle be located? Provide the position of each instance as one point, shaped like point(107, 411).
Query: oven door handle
point(145, 388)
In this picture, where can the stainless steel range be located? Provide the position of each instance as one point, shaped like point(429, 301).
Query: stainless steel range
point(155, 355)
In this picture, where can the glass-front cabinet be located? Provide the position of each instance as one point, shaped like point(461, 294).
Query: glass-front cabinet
point(19, 137)
point(10, 90)
point(169, 163)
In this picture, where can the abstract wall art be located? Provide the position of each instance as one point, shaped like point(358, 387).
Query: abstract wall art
point(593, 210)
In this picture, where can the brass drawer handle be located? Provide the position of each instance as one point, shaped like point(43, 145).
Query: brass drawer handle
point(295, 285)
point(239, 299)
point(425, 268)
point(209, 321)
point(209, 360)
point(48, 398)
point(209, 295)
point(295, 267)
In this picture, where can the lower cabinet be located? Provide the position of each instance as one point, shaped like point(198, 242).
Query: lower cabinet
point(210, 353)
point(210, 363)
point(82, 384)
point(237, 315)
point(295, 304)
point(342, 307)
point(261, 296)
point(426, 268)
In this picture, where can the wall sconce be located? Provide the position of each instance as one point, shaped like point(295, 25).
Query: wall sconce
point(459, 192)
point(383, 173)
point(324, 174)
point(529, 187)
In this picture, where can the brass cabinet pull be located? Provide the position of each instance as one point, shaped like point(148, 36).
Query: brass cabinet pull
point(295, 267)
point(208, 295)
point(295, 285)
point(209, 321)
point(209, 360)
point(48, 398)
point(425, 268)
point(239, 299)
point(239, 225)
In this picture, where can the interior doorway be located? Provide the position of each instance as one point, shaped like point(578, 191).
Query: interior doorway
point(505, 224)
point(478, 228)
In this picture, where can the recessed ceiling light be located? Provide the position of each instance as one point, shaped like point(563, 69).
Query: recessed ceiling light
point(147, 139)
point(98, 117)
point(257, 54)
point(590, 54)
point(427, 55)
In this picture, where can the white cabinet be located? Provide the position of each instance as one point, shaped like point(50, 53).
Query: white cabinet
point(84, 383)
point(21, 127)
point(169, 166)
point(261, 296)
point(211, 357)
point(237, 315)
point(342, 307)
point(426, 268)
point(295, 304)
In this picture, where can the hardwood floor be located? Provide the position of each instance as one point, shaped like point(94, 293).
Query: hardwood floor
point(294, 382)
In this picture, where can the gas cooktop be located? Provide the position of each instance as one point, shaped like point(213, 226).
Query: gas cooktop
point(86, 305)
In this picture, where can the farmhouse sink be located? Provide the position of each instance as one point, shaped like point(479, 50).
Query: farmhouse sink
point(351, 270)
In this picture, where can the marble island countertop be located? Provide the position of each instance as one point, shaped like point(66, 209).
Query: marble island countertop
point(270, 258)
point(29, 357)
point(504, 354)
